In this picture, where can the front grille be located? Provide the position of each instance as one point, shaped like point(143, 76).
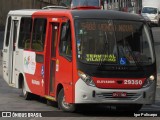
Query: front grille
point(130, 96)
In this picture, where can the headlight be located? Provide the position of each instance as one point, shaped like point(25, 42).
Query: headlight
point(149, 81)
point(86, 78)
point(151, 78)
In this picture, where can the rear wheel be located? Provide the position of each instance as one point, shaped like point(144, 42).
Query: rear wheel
point(63, 105)
point(26, 95)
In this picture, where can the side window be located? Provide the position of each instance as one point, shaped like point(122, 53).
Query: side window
point(8, 31)
point(65, 41)
point(39, 33)
point(25, 33)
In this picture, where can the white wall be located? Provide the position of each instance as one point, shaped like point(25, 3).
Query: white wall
point(151, 3)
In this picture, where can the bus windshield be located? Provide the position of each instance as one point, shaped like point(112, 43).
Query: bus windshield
point(113, 42)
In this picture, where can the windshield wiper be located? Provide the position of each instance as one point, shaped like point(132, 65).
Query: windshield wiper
point(101, 63)
point(137, 63)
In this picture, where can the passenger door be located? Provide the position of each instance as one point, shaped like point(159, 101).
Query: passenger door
point(58, 59)
point(9, 49)
point(53, 58)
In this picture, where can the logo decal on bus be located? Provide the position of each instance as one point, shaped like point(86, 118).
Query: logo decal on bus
point(105, 81)
point(29, 63)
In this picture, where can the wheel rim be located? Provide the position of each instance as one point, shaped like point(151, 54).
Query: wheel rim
point(65, 104)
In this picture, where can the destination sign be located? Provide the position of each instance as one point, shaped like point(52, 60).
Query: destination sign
point(106, 27)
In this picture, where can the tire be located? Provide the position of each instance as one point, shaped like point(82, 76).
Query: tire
point(25, 94)
point(63, 105)
point(130, 108)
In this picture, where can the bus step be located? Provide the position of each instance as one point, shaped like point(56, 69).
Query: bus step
point(12, 85)
point(50, 98)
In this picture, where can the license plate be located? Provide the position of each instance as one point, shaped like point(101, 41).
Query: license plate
point(119, 94)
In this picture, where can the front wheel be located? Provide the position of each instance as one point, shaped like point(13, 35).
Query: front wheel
point(67, 107)
point(26, 95)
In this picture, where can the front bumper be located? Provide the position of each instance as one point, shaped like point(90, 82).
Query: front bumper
point(84, 94)
point(153, 22)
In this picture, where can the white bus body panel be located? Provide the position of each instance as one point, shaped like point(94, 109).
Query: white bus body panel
point(83, 94)
point(13, 59)
point(6, 58)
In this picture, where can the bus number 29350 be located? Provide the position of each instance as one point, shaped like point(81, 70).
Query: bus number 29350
point(133, 82)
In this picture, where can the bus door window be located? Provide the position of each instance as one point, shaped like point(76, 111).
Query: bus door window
point(15, 27)
point(6, 51)
point(54, 38)
point(8, 31)
point(65, 41)
point(25, 33)
point(55, 27)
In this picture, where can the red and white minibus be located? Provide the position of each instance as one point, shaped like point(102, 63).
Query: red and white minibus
point(80, 57)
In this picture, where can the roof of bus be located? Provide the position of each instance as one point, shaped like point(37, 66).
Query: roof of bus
point(106, 14)
point(22, 12)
